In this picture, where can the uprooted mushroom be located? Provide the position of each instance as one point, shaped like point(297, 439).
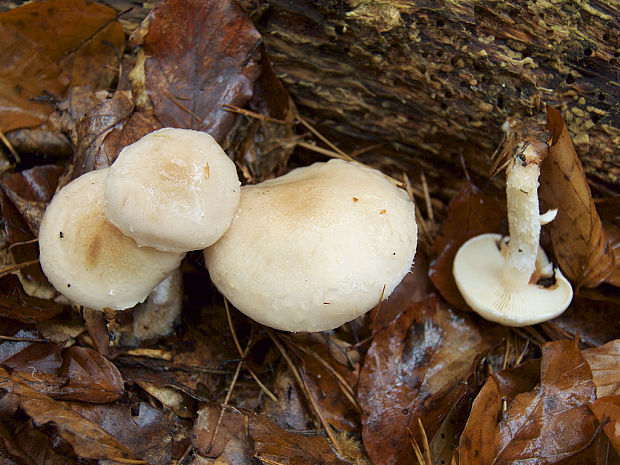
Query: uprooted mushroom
point(510, 280)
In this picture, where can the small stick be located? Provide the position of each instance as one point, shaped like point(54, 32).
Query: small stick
point(252, 114)
point(16, 244)
point(306, 391)
point(323, 139)
point(9, 146)
point(181, 106)
point(427, 199)
point(244, 353)
point(13, 268)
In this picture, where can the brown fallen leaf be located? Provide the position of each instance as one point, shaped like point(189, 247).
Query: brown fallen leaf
point(200, 56)
point(92, 129)
point(516, 422)
point(154, 434)
point(274, 445)
point(41, 448)
point(471, 212)
point(607, 412)
point(31, 190)
point(579, 241)
point(20, 236)
point(604, 362)
point(595, 321)
point(87, 439)
point(415, 369)
point(231, 426)
point(18, 305)
point(77, 373)
point(48, 45)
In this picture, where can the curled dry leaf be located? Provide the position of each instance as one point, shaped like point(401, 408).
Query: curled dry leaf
point(154, 434)
point(18, 305)
point(77, 373)
point(579, 241)
point(414, 370)
point(607, 412)
point(31, 190)
point(471, 212)
point(92, 130)
point(604, 362)
point(273, 444)
point(200, 56)
point(595, 322)
point(87, 438)
point(48, 45)
point(513, 421)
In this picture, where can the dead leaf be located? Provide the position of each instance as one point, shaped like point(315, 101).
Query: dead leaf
point(18, 305)
point(471, 212)
point(87, 439)
point(200, 56)
point(231, 426)
point(92, 129)
point(77, 373)
point(515, 423)
point(46, 46)
point(415, 369)
point(20, 236)
point(273, 444)
point(596, 322)
point(579, 240)
point(604, 362)
point(607, 411)
point(155, 435)
point(31, 190)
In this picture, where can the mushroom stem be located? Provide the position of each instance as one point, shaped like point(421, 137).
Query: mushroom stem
point(523, 216)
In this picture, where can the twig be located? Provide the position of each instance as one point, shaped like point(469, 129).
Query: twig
point(252, 114)
point(304, 387)
point(9, 146)
point(22, 339)
point(323, 139)
point(17, 244)
point(13, 268)
point(427, 199)
point(244, 353)
point(344, 386)
point(424, 458)
point(175, 100)
point(374, 320)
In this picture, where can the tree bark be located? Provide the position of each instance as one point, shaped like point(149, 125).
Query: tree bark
point(431, 80)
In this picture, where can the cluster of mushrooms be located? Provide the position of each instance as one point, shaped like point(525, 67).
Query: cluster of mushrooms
point(307, 251)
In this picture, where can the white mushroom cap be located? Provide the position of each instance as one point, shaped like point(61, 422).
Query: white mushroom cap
point(479, 274)
point(316, 247)
point(174, 189)
point(90, 261)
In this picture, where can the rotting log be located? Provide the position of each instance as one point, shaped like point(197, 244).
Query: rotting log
point(431, 80)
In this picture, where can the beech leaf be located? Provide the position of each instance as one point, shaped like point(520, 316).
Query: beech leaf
point(471, 212)
point(47, 45)
point(414, 370)
point(545, 424)
point(607, 411)
point(273, 444)
point(87, 439)
point(604, 362)
point(200, 56)
point(579, 240)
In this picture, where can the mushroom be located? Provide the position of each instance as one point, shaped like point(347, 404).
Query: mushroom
point(156, 315)
point(90, 261)
point(175, 190)
point(514, 284)
point(315, 248)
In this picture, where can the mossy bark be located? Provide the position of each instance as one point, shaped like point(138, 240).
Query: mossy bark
point(431, 80)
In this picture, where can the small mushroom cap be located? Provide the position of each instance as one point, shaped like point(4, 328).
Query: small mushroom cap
point(316, 247)
point(90, 261)
point(174, 190)
point(478, 272)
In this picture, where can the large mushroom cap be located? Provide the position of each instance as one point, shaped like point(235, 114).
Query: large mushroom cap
point(174, 189)
point(315, 248)
point(479, 274)
point(90, 261)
